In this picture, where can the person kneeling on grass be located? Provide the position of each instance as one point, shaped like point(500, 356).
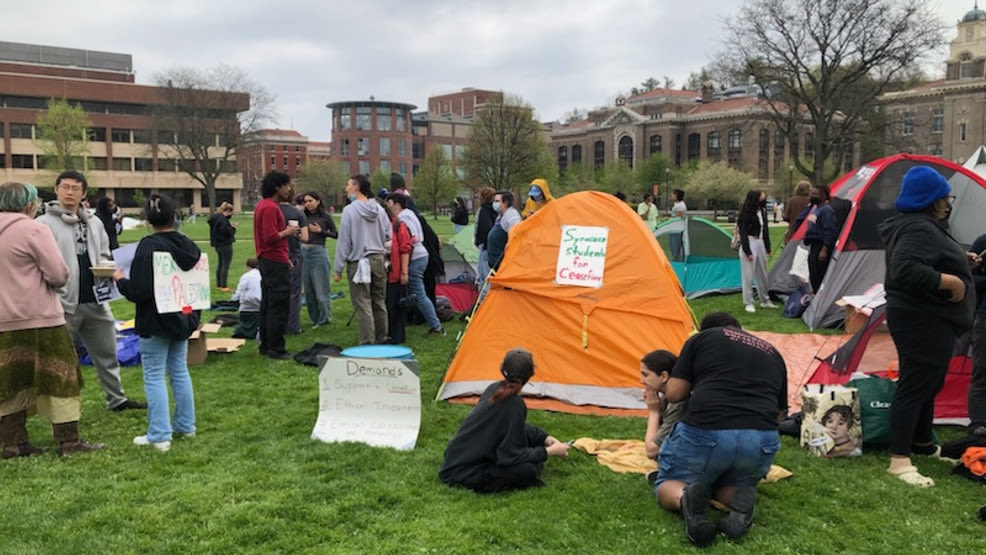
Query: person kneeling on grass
point(248, 293)
point(736, 386)
point(163, 337)
point(495, 449)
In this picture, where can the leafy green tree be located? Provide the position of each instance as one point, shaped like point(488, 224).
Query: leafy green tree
point(617, 176)
point(380, 180)
point(717, 185)
point(653, 171)
point(326, 177)
point(577, 177)
point(435, 181)
point(62, 136)
point(507, 146)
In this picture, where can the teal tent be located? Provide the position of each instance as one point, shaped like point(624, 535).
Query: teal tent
point(700, 254)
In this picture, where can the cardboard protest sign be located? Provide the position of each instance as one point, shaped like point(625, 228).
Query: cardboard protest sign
point(372, 401)
point(581, 256)
point(176, 290)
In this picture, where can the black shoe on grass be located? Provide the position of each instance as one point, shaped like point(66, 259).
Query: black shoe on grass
point(694, 508)
point(737, 523)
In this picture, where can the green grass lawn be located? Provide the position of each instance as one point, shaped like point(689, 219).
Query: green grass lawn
point(253, 482)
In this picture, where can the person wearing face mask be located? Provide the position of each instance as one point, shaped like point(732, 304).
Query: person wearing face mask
point(930, 303)
point(537, 197)
point(820, 235)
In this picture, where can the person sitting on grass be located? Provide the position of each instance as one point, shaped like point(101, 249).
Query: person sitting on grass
point(655, 371)
point(248, 294)
point(736, 386)
point(495, 449)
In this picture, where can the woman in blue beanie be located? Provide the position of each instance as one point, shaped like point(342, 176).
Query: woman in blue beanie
point(927, 281)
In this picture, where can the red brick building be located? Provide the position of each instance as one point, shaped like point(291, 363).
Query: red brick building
point(124, 153)
point(372, 134)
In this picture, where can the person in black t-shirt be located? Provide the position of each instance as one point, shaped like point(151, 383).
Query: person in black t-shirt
point(736, 387)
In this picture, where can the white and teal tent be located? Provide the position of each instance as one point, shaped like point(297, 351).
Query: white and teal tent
point(701, 256)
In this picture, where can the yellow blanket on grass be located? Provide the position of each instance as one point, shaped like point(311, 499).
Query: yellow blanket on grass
point(629, 456)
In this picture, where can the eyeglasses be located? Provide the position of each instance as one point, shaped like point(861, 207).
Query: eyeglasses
point(71, 188)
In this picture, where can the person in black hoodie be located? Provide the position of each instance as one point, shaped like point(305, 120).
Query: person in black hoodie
point(222, 235)
point(484, 222)
point(495, 449)
point(163, 337)
point(930, 303)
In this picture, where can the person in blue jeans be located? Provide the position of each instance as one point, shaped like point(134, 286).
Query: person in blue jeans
point(163, 336)
point(316, 260)
point(736, 387)
point(419, 261)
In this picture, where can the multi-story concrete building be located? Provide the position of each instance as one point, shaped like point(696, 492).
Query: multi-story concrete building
point(946, 117)
point(126, 151)
point(372, 134)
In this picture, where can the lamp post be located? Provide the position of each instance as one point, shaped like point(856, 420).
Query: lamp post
point(667, 187)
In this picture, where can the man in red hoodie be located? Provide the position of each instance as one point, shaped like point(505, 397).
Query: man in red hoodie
point(270, 233)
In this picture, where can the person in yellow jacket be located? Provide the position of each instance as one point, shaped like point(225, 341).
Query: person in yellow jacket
point(537, 197)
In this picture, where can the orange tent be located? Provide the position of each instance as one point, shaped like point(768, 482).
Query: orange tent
point(585, 287)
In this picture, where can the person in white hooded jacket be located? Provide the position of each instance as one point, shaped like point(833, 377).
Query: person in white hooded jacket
point(89, 319)
point(363, 236)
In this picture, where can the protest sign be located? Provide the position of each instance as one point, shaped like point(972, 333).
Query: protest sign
point(372, 401)
point(177, 290)
point(581, 256)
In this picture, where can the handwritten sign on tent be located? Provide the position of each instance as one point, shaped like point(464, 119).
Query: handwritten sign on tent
point(372, 401)
point(175, 289)
point(581, 256)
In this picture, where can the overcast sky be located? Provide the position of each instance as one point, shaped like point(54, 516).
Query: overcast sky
point(556, 54)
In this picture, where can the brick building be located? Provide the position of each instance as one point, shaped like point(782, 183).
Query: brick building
point(447, 123)
point(124, 153)
point(267, 150)
point(372, 134)
point(946, 117)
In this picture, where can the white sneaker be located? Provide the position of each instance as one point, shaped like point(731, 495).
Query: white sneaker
point(768, 304)
point(749, 308)
point(162, 446)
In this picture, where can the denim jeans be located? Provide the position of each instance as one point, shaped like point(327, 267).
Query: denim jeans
point(416, 285)
point(717, 458)
point(162, 356)
point(482, 266)
point(316, 282)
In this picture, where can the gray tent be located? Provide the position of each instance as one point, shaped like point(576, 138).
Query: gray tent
point(862, 199)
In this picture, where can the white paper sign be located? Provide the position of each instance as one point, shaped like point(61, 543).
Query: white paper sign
point(372, 401)
point(581, 256)
point(176, 289)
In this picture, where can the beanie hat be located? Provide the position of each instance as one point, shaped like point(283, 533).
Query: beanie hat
point(921, 187)
point(518, 364)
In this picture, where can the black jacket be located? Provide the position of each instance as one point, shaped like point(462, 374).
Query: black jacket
point(918, 251)
point(750, 227)
point(140, 287)
point(221, 232)
point(461, 215)
point(484, 222)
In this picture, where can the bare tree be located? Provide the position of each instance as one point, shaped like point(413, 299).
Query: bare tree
point(826, 62)
point(205, 117)
point(506, 147)
point(435, 180)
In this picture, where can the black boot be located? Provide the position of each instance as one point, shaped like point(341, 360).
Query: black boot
point(67, 437)
point(13, 436)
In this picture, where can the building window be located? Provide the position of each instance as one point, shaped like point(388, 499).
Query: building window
point(384, 145)
point(364, 167)
point(403, 167)
point(934, 150)
point(401, 147)
point(694, 146)
point(417, 150)
point(713, 145)
point(345, 120)
point(625, 150)
point(143, 164)
point(363, 117)
point(655, 144)
point(165, 138)
point(599, 154)
point(273, 162)
point(142, 136)
point(962, 128)
point(97, 134)
point(166, 165)
point(401, 120)
point(297, 148)
point(809, 144)
point(120, 135)
point(778, 151)
point(344, 147)
point(285, 161)
point(99, 163)
point(363, 146)
point(21, 131)
point(937, 120)
point(22, 161)
point(447, 151)
point(735, 140)
point(577, 154)
point(297, 161)
point(383, 119)
point(907, 124)
point(763, 161)
point(385, 165)
point(562, 158)
point(460, 151)
point(121, 164)
point(187, 166)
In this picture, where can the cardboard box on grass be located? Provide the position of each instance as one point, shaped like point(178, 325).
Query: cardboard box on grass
point(200, 344)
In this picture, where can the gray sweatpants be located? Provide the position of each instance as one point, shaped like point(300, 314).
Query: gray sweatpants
point(93, 325)
point(754, 269)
